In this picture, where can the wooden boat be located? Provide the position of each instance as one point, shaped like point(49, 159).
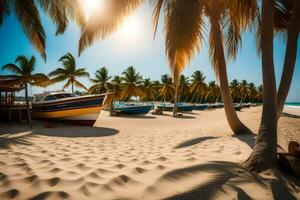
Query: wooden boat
point(81, 110)
point(200, 107)
point(126, 108)
point(181, 107)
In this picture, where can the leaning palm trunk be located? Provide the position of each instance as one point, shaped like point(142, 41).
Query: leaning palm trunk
point(235, 124)
point(264, 153)
point(290, 58)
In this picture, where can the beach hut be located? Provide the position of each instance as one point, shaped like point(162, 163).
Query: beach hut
point(9, 109)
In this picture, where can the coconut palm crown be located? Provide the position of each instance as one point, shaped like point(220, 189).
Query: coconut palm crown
point(69, 72)
point(100, 81)
point(24, 72)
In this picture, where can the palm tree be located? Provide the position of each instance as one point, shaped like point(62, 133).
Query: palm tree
point(132, 82)
point(259, 95)
point(244, 87)
point(156, 87)
point(198, 86)
point(167, 89)
point(184, 87)
point(116, 87)
point(235, 90)
point(69, 72)
point(213, 92)
point(287, 16)
point(100, 81)
point(148, 90)
point(252, 92)
point(264, 154)
point(27, 13)
point(25, 75)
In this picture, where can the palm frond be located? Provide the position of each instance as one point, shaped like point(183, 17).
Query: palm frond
point(29, 17)
point(13, 68)
point(81, 73)
point(79, 85)
point(98, 26)
point(4, 9)
point(56, 9)
point(184, 27)
point(57, 72)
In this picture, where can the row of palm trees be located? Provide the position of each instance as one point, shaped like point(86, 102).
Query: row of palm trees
point(185, 26)
point(131, 83)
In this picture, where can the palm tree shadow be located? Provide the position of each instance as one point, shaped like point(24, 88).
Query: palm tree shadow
point(136, 116)
point(290, 115)
point(7, 140)
point(225, 175)
point(248, 138)
point(193, 141)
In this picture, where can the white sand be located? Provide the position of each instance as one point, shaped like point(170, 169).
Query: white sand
point(151, 157)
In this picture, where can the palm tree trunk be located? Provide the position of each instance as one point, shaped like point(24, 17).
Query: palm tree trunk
point(72, 86)
point(290, 58)
point(234, 122)
point(175, 97)
point(264, 155)
point(26, 95)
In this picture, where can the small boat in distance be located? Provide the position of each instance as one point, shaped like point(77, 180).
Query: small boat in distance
point(200, 106)
point(68, 107)
point(181, 107)
point(131, 108)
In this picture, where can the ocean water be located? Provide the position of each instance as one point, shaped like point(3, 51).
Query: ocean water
point(293, 104)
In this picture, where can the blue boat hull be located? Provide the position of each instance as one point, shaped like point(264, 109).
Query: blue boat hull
point(200, 107)
point(133, 109)
point(180, 108)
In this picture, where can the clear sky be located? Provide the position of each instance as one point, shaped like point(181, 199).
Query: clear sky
point(137, 48)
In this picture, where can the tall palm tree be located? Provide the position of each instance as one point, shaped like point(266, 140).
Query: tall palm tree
point(167, 89)
point(132, 82)
point(235, 90)
point(24, 72)
point(264, 154)
point(198, 86)
point(287, 16)
point(27, 13)
point(100, 81)
point(69, 72)
point(183, 87)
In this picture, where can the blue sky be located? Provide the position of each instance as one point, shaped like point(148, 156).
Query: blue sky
point(137, 48)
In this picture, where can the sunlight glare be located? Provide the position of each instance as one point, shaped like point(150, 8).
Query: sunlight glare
point(131, 29)
point(90, 6)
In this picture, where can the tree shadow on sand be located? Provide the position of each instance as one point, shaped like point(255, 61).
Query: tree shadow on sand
point(290, 115)
point(229, 176)
point(193, 141)
point(7, 140)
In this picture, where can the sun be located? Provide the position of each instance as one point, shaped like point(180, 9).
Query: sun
point(90, 6)
point(131, 28)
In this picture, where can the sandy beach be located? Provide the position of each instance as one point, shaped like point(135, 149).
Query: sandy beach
point(148, 157)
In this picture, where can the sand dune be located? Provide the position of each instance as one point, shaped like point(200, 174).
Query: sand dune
point(155, 157)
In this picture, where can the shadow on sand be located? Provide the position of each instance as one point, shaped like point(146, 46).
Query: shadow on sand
point(227, 175)
point(59, 130)
point(290, 115)
point(7, 140)
point(193, 141)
